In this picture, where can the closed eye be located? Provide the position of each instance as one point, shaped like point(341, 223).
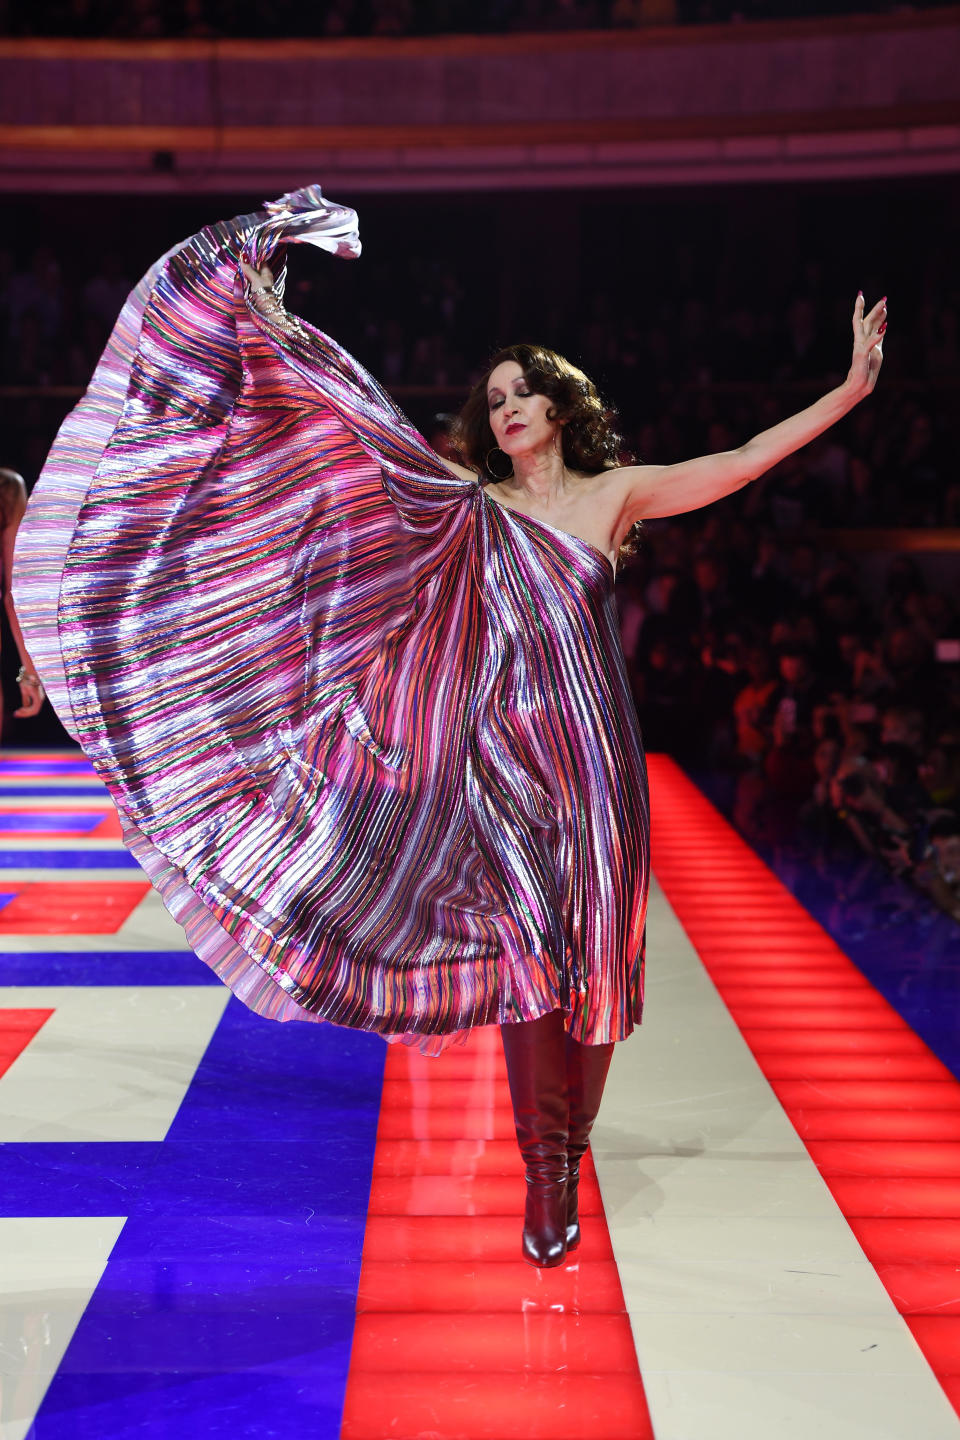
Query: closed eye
point(522, 394)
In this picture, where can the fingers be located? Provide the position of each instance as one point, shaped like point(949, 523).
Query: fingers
point(257, 277)
point(31, 702)
point(879, 317)
point(867, 317)
point(879, 313)
point(870, 328)
point(858, 314)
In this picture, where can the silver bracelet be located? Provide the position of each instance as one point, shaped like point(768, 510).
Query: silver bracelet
point(273, 310)
point(27, 677)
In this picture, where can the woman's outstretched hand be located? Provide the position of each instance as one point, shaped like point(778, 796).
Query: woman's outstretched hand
point(259, 279)
point(868, 333)
point(265, 302)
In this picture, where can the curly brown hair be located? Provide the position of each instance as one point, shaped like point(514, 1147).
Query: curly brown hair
point(589, 442)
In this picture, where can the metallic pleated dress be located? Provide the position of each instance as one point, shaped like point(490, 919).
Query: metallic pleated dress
point(369, 733)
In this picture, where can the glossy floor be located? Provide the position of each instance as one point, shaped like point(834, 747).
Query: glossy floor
point(215, 1225)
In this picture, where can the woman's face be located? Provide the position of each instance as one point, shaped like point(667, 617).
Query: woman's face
point(518, 417)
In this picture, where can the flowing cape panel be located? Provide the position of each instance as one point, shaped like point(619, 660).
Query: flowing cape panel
point(237, 574)
point(369, 735)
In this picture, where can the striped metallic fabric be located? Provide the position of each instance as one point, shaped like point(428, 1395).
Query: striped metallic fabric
point(369, 732)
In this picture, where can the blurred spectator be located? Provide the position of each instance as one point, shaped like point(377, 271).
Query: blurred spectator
point(103, 295)
point(439, 433)
point(939, 872)
point(753, 707)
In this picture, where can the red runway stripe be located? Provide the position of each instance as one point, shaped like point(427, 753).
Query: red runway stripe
point(455, 1335)
point(878, 1112)
point(17, 1029)
point(71, 908)
point(107, 829)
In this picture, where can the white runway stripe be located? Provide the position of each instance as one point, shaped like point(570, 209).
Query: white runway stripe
point(47, 875)
point(44, 842)
point(49, 1268)
point(112, 1063)
point(755, 1312)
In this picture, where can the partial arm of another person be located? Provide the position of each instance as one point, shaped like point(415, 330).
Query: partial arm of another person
point(653, 491)
point(31, 686)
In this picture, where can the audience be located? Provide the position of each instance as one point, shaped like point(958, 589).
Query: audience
point(827, 706)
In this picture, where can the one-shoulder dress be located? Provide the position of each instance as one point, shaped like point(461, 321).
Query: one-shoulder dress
point(369, 732)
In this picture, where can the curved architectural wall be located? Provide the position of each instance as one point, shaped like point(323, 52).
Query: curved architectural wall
point(864, 95)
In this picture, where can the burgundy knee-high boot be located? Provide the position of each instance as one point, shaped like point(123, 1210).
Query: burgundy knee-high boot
point(587, 1067)
point(536, 1056)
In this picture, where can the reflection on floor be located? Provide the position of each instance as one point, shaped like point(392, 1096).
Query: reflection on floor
point(455, 1335)
point(214, 1225)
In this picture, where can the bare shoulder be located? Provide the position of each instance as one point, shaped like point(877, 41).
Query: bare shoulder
point(618, 496)
point(628, 479)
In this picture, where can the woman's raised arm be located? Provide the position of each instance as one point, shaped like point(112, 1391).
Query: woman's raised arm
point(652, 491)
point(261, 297)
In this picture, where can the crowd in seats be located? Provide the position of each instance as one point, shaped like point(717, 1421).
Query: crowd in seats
point(212, 19)
point(756, 651)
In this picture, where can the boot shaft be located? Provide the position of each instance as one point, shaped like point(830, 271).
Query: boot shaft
point(587, 1070)
point(536, 1057)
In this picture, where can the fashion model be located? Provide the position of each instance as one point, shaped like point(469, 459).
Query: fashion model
point(363, 710)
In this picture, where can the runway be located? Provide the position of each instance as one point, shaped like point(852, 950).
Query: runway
point(213, 1225)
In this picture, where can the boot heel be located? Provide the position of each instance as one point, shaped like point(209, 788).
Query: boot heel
point(573, 1209)
point(545, 1224)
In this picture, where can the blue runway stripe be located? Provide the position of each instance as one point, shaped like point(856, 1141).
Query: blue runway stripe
point(67, 860)
point(105, 967)
point(52, 766)
point(13, 789)
point(79, 821)
point(229, 1297)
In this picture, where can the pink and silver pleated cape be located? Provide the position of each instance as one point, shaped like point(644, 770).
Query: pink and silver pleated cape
point(369, 733)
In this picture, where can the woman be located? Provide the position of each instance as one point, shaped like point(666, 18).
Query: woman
point(13, 503)
point(366, 719)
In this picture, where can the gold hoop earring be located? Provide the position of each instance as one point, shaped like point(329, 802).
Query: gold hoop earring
point(495, 449)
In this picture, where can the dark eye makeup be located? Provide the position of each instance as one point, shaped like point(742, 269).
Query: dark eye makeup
point(524, 394)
